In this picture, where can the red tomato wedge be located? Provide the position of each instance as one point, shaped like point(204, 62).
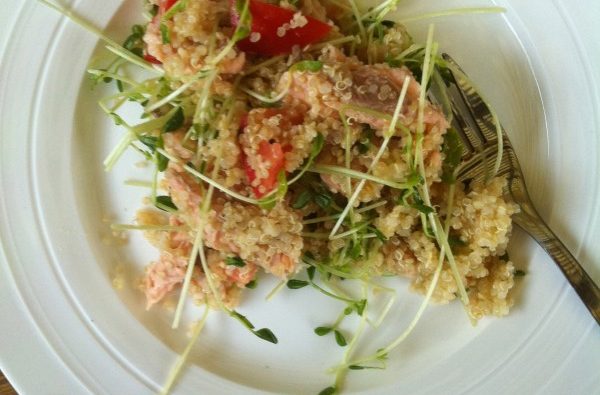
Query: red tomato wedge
point(151, 59)
point(165, 5)
point(271, 155)
point(268, 20)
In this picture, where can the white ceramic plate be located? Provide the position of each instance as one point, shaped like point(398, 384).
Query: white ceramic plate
point(65, 329)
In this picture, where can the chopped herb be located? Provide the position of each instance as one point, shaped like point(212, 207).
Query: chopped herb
point(296, 284)
point(235, 261)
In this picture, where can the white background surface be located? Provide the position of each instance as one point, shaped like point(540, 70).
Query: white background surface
point(65, 330)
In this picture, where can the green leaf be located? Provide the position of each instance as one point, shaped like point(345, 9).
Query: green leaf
point(241, 33)
point(377, 232)
point(139, 52)
point(360, 306)
point(134, 42)
point(323, 200)
point(361, 367)
point(164, 34)
point(323, 330)
point(328, 391)
point(364, 144)
point(235, 261)
point(420, 205)
point(149, 141)
point(266, 334)
point(302, 200)
point(383, 356)
point(138, 30)
point(356, 249)
point(175, 122)
point(251, 285)
point(161, 160)
point(455, 241)
point(311, 272)
point(452, 150)
point(340, 339)
point(165, 201)
point(307, 65)
point(241, 319)
point(309, 255)
point(117, 119)
point(348, 310)
point(269, 202)
point(356, 367)
point(317, 145)
point(296, 284)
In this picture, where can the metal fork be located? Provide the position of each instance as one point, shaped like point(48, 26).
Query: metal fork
point(474, 124)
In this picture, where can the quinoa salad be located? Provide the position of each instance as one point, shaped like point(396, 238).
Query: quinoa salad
point(300, 139)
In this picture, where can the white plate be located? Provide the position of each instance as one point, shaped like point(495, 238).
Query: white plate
point(66, 330)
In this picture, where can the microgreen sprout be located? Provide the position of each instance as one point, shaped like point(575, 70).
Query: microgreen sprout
point(387, 137)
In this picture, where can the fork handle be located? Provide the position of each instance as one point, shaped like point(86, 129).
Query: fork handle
point(530, 221)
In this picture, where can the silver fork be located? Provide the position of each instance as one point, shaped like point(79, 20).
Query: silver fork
point(475, 126)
